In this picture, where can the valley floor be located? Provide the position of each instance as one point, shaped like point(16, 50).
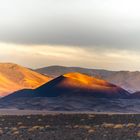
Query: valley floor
point(69, 126)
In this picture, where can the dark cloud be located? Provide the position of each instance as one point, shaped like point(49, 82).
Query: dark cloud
point(46, 22)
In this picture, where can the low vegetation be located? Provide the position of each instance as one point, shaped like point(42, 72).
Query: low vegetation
point(70, 127)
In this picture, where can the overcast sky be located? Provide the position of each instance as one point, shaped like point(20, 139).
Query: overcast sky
point(87, 33)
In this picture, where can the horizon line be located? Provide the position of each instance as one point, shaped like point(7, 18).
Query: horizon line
point(57, 65)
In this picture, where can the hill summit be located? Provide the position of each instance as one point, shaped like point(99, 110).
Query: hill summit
point(71, 84)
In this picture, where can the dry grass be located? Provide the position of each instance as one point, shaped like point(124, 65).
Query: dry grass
point(30, 130)
point(118, 126)
point(2, 120)
point(138, 133)
point(110, 114)
point(131, 125)
point(6, 128)
point(16, 133)
point(34, 128)
point(1, 132)
point(91, 116)
point(91, 131)
point(82, 126)
point(138, 125)
point(19, 123)
point(13, 129)
point(82, 120)
point(47, 126)
point(107, 125)
point(85, 126)
point(28, 117)
point(68, 126)
point(22, 127)
point(39, 120)
point(76, 126)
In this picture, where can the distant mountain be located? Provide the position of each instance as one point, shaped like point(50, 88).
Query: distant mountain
point(55, 71)
point(76, 85)
point(128, 80)
point(14, 77)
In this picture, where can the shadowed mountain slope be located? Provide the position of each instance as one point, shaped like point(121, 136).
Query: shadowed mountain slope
point(71, 92)
point(72, 84)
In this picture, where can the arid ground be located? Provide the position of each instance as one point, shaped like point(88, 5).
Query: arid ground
point(63, 126)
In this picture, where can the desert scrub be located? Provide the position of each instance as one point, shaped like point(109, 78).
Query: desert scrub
point(68, 126)
point(22, 127)
point(19, 123)
point(82, 126)
point(91, 131)
point(91, 116)
point(13, 129)
point(107, 125)
point(131, 125)
point(39, 120)
point(138, 125)
point(34, 128)
point(2, 120)
point(110, 114)
point(138, 133)
point(1, 132)
point(15, 133)
point(28, 117)
point(118, 126)
point(76, 126)
point(47, 126)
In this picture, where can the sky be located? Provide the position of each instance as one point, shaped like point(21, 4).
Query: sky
point(102, 34)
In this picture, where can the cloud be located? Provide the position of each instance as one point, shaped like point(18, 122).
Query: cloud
point(45, 55)
point(93, 33)
point(110, 24)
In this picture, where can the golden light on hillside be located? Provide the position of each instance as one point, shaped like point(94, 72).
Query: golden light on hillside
point(87, 79)
point(14, 77)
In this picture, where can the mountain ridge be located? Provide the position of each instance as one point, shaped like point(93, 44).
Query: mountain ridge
point(129, 80)
point(75, 84)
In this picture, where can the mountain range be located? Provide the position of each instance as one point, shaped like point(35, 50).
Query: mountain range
point(130, 81)
point(74, 84)
point(24, 88)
